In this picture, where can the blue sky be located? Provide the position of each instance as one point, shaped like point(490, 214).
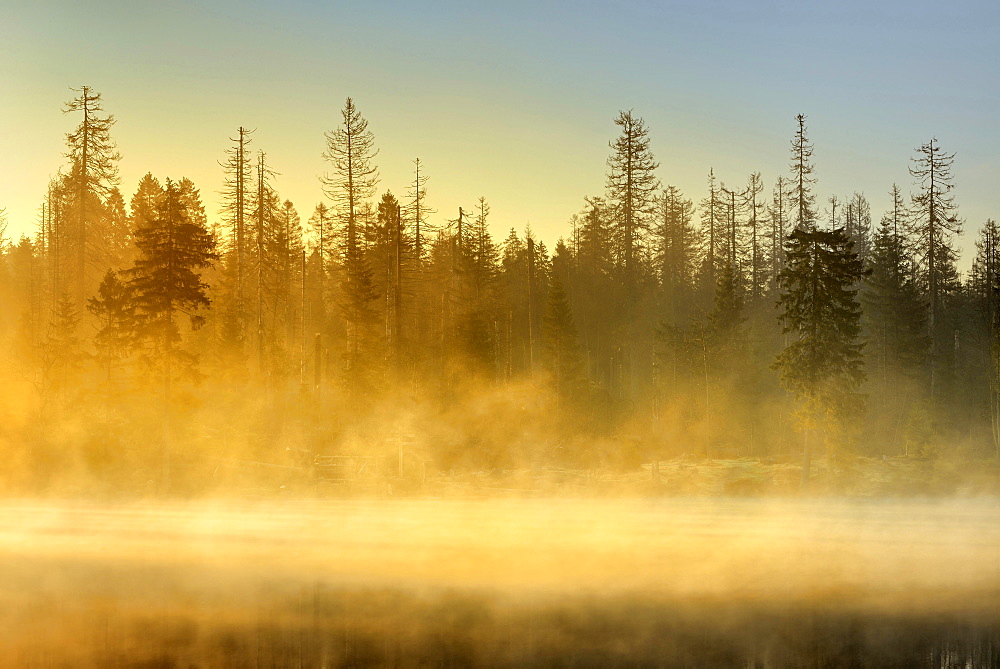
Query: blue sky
point(513, 101)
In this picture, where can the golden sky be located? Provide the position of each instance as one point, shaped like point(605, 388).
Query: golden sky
point(513, 102)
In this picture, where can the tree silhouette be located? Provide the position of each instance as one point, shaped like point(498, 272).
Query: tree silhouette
point(92, 174)
point(801, 199)
point(632, 186)
point(935, 221)
point(819, 306)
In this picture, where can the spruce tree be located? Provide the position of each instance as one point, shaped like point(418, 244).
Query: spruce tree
point(822, 364)
point(985, 288)
point(801, 200)
point(562, 350)
point(675, 241)
point(350, 149)
point(115, 309)
point(145, 202)
point(417, 210)
point(756, 229)
point(712, 235)
point(934, 223)
point(165, 277)
point(351, 152)
point(778, 212)
point(93, 173)
point(632, 187)
point(894, 308)
point(236, 198)
point(62, 354)
point(358, 295)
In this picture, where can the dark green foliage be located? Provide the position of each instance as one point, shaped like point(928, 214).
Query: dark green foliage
point(646, 332)
point(62, 352)
point(115, 308)
point(562, 350)
point(165, 277)
point(675, 246)
point(895, 312)
point(819, 307)
point(359, 293)
point(726, 317)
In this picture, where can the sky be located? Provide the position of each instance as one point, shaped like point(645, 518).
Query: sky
point(513, 101)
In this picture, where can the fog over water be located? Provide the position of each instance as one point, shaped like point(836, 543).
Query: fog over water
point(455, 582)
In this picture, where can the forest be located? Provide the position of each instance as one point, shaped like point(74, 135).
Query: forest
point(153, 345)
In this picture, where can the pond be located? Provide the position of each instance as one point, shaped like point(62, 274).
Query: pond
point(501, 582)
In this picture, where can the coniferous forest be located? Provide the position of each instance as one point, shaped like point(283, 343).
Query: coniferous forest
point(153, 345)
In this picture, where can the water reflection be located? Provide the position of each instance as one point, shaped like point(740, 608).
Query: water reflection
point(501, 583)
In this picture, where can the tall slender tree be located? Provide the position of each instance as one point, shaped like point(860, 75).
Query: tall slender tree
point(93, 172)
point(675, 249)
point(819, 307)
point(801, 199)
point(713, 222)
point(236, 194)
point(894, 307)
point(632, 187)
point(934, 222)
point(417, 210)
point(985, 287)
point(756, 228)
point(350, 150)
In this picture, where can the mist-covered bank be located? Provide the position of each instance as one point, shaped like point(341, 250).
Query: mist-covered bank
point(151, 345)
point(676, 582)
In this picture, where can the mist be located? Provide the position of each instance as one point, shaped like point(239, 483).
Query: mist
point(501, 581)
point(755, 430)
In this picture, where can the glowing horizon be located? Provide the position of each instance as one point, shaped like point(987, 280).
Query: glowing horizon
point(516, 103)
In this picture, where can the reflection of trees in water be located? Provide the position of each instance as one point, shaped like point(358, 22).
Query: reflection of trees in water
point(320, 626)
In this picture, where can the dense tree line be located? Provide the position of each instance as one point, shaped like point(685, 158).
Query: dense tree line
point(652, 327)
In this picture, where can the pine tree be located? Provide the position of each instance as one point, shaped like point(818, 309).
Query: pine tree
point(323, 264)
point(285, 253)
point(115, 309)
point(934, 223)
point(713, 224)
point(894, 309)
point(165, 277)
point(479, 260)
point(727, 314)
point(819, 306)
point(776, 236)
point(358, 295)
point(597, 309)
point(114, 234)
point(62, 354)
point(236, 197)
point(388, 253)
point(858, 224)
point(675, 249)
point(733, 204)
point(802, 201)
point(985, 285)
point(88, 184)
point(514, 279)
point(263, 264)
point(632, 187)
point(756, 229)
point(562, 350)
point(351, 152)
point(145, 202)
point(417, 210)
point(350, 149)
